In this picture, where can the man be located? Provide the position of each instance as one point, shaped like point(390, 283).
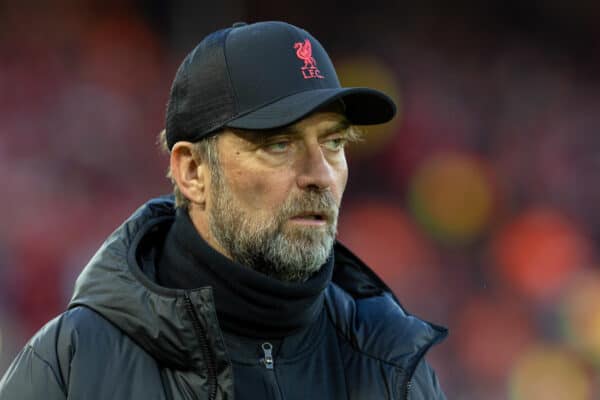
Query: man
point(238, 289)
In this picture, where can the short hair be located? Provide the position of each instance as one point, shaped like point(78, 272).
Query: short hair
point(204, 149)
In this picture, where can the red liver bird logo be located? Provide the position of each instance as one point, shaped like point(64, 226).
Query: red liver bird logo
point(304, 53)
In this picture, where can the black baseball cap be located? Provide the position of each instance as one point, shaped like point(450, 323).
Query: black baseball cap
point(261, 76)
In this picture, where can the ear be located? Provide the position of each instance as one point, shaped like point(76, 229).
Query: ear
point(189, 172)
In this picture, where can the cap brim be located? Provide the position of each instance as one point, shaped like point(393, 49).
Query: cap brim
point(363, 106)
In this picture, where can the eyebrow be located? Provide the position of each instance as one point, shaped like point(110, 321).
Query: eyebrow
point(337, 127)
point(263, 136)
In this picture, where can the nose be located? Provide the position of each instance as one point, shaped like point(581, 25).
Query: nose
point(316, 173)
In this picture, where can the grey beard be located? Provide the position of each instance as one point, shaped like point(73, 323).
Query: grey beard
point(265, 246)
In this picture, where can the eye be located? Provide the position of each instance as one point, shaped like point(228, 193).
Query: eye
point(277, 147)
point(335, 144)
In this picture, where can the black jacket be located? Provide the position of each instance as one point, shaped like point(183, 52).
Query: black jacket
point(125, 337)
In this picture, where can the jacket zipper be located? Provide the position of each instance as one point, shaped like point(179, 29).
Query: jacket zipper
point(268, 360)
point(204, 347)
point(407, 389)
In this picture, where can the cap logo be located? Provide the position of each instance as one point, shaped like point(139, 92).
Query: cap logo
point(304, 52)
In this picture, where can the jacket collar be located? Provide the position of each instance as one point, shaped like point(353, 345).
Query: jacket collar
point(157, 318)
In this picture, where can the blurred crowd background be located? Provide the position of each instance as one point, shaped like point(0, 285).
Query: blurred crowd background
point(478, 204)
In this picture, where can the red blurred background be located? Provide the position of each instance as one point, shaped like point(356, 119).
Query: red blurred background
point(478, 204)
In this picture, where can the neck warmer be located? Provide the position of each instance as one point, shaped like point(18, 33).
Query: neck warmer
point(248, 302)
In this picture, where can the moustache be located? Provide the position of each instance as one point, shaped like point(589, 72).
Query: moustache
point(321, 205)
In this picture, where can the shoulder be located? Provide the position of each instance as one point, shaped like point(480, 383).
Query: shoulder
point(54, 333)
point(376, 329)
point(366, 312)
point(378, 326)
point(47, 359)
point(377, 337)
point(83, 330)
point(74, 329)
point(80, 343)
point(66, 329)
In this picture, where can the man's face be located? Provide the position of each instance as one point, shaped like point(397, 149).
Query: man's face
point(273, 202)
